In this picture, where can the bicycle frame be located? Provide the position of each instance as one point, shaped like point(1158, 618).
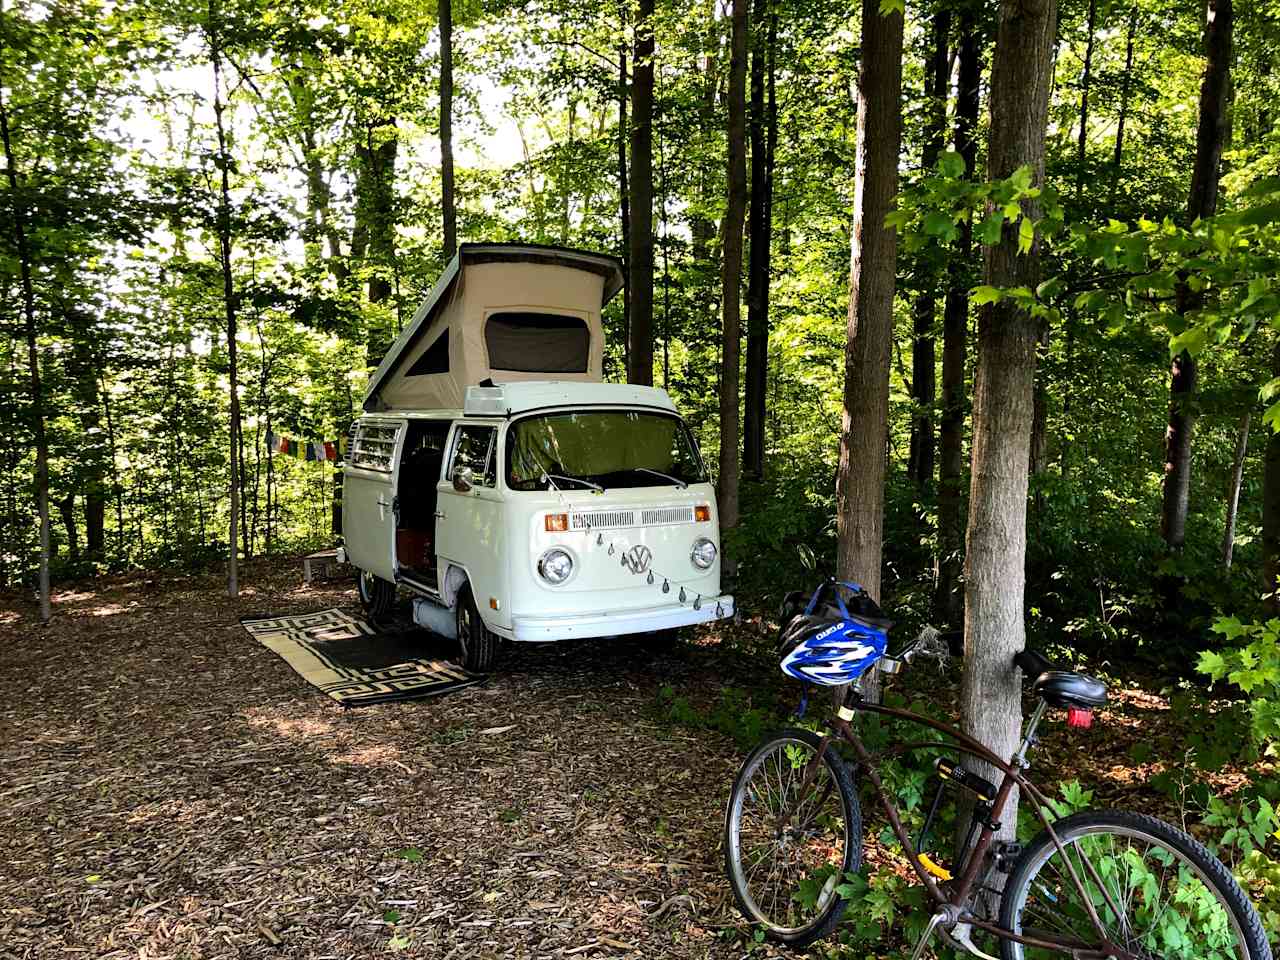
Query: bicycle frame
point(951, 909)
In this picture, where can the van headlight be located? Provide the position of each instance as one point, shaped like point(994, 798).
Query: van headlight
point(703, 553)
point(555, 565)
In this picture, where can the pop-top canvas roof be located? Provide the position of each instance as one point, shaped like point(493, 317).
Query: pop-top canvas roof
point(500, 312)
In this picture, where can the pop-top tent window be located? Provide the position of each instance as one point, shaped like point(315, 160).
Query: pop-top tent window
point(435, 360)
point(544, 342)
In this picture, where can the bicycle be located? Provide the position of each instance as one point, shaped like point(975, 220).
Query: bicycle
point(1097, 884)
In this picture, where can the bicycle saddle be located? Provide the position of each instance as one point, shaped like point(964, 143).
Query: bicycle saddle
point(1060, 688)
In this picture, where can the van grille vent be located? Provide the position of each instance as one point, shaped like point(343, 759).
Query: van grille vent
point(604, 518)
point(660, 515)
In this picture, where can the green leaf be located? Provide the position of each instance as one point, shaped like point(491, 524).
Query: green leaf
point(1026, 235)
point(990, 228)
point(412, 854)
point(888, 7)
point(951, 164)
point(1212, 664)
point(984, 295)
point(399, 942)
point(391, 916)
point(938, 224)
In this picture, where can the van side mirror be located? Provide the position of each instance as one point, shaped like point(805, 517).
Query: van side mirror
point(463, 479)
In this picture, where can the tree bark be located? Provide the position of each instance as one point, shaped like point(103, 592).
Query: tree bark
point(1211, 138)
point(872, 268)
point(229, 307)
point(21, 245)
point(1233, 490)
point(991, 693)
point(955, 335)
point(640, 261)
point(1271, 509)
point(763, 135)
point(920, 461)
point(731, 269)
point(624, 206)
point(448, 211)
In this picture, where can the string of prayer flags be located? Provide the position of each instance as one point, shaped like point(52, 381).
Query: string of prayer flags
point(310, 450)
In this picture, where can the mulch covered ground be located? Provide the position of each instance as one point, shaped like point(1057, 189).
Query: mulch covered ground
point(172, 789)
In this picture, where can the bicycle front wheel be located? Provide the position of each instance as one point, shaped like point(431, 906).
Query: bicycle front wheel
point(788, 843)
point(1155, 890)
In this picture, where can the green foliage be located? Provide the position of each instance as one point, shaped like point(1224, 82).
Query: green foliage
point(1254, 668)
point(734, 714)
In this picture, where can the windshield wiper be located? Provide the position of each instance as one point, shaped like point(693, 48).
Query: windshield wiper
point(559, 476)
point(665, 476)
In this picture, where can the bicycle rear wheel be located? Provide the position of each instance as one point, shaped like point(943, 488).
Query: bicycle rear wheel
point(1162, 894)
point(788, 845)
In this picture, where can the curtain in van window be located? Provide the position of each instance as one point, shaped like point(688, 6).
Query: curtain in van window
point(537, 343)
point(592, 444)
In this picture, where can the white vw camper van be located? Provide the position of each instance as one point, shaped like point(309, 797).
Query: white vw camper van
point(516, 496)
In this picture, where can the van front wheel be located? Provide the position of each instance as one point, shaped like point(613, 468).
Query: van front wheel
point(376, 595)
point(477, 645)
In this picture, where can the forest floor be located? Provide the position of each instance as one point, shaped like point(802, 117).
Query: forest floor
point(173, 789)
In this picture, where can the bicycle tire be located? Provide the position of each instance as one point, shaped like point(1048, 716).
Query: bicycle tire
point(1243, 923)
point(829, 913)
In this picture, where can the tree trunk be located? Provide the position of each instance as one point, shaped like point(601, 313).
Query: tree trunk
point(1233, 490)
point(449, 213)
point(763, 132)
point(624, 207)
point(1086, 74)
point(1271, 509)
point(955, 335)
point(991, 692)
point(731, 269)
point(1125, 84)
point(1211, 137)
point(640, 261)
point(229, 307)
point(872, 268)
point(920, 461)
point(67, 509)
point(19, 218)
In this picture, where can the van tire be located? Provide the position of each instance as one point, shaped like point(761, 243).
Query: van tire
point(477, 644)
point(377, 596)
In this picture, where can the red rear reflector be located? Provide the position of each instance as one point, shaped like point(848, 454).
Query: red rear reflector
point(702, 513)
point(557, 522)
point(1079, 717)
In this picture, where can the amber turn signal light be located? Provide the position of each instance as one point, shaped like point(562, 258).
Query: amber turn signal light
point(702, 512)
point(557, 522)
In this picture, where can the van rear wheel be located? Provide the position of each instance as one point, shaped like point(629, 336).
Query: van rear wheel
point(477, 644)
point(377, 596)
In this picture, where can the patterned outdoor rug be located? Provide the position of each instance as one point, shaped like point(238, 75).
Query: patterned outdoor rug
point(354, 662)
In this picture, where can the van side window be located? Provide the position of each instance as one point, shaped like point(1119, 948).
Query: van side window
point(374, 446)
point(473, 448)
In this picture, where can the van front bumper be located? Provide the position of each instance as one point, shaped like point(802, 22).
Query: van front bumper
point(642, 620)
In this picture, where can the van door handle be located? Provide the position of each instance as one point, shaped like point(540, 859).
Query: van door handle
point(440, 515)
point(382, 507)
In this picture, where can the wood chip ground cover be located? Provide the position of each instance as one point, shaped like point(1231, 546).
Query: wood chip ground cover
point(173, 790)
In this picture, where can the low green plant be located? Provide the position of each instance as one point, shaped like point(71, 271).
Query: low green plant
point(1254, 668)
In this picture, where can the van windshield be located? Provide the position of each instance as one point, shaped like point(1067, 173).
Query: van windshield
point(613, 448)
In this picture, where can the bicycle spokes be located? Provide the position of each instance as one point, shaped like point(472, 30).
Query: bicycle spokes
point(1150, 900)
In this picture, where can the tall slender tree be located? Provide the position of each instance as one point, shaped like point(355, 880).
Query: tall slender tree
point(991, 695)
point(872, 269)
point(640, 258)
point(1211, 137)
point(18, 217)
point(447, 202)
point(764, 133)
point(955, 337)
point(731, 268)
point(920, 460)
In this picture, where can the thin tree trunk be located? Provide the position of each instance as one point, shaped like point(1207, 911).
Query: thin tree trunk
point(955, 335)
point(872, 268)
point(1125, 84)
point(920, 460)
point(19, 218)
point(1233, 490)
point(763, 127)
point(1271, 509)
point(1086, 75)
point(991, 693)
point(67, 509)
point(229, 307)
point(624, 204)
point(448, 211)
point(731, 269)
point(1211, 138)
point(640, 262)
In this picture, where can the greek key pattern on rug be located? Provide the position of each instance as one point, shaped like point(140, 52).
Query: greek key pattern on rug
point(352, 662)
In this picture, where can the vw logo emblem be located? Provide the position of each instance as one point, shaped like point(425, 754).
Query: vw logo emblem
point(637, 558)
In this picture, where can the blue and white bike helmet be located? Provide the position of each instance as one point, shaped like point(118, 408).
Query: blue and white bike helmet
point(828, 644)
